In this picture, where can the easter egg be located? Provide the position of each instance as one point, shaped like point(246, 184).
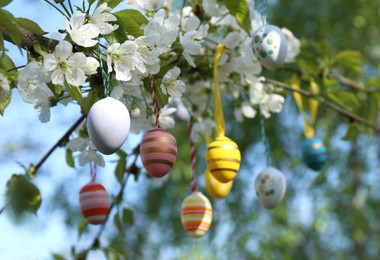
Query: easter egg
point(270, 46)
point(270, 186)
point(158, 151)
point(223, 159)
point(314, 153)
point(196, 214)
point(108, 124)
point(216, 188)
point(94, 202)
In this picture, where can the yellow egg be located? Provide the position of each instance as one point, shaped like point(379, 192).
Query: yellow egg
point(223, 159)
point(216, 188)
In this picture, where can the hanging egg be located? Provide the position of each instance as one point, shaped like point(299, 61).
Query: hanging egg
point(108, 124)
point(270, 46)
point(94, 203)
point(314, 153)
point(196, 214)
point(158, 152)
point(270, 186)
point(223, 159)
point(216, 188)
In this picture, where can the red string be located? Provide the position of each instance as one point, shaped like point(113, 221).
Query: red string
point(154, 101)
point(93, 171)
point(192, 158)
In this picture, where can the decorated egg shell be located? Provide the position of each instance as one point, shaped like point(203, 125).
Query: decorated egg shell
point(223, 159)
point(94, 203)
point(314, 153)
point(270, 186)
point(196, 214)
point(108, 124)
point(216, 188)
point(270, 46)
point(158, 151)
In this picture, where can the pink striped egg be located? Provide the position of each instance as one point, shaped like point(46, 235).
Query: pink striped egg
point(196, 214)
point(158, 151)
point(94, 202)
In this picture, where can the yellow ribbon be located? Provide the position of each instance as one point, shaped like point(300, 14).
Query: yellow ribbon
point(313, 106)
point(219, 118)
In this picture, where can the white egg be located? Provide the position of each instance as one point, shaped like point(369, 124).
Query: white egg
point(108, 124)
point(270, 46)
point(270, 187)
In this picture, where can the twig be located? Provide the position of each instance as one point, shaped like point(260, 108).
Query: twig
point(328, 104)
point(65, 136)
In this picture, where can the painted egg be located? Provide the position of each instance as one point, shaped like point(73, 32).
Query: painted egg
point(270, 186)
point(94, 203)
point(196, 214)
point(223, 159)
point(270, 46)
point(314, 153)
point(158, 151)
point(216, 188)
point(108, 124)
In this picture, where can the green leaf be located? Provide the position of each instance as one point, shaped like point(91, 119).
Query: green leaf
point(6, 63)
point(4, 2)
point(69, 158)
point(352, 132)
point(345, 99)
point(58, 257)
point(118, 225)
point(128, 216)
point(116, 251)
point(350, 59)
point(162, 99)
point(75, 93)
point(90, 2)
point(120, 169)
point(130, 22)
point(110, 3)
point(29, 25)
point(7, 21)
point(94, 95)
point(22, 195)
point(239, 9)
point(82, 227)
point(37, 48)
point(5, 102)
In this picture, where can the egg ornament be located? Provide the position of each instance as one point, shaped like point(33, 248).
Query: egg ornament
point(94, 203)
point(158, 151)
point(270, 46)
point(196, 214)
point(223, 159)
point(215, 188)
point(108, 124)
point(270, 186)
point(314, 153)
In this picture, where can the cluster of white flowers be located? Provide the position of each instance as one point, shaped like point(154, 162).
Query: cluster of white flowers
point(87, 151)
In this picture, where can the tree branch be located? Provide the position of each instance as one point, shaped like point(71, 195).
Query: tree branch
point(328, 104)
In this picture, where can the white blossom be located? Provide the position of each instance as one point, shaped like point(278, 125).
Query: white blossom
point(81, 33)
point(244, 111)
point(149, 54)
point(212, 8)
point(87, 151)
point(171, 85)
point(203, 127)
point(33, 89)
point(293, 45)
point(69, 66)
point(102, 17)
point(125, 59)
point(165, 118)
point(149, 5)
point(4, 87)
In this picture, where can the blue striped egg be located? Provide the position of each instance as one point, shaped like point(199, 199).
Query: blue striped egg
point(314, 153)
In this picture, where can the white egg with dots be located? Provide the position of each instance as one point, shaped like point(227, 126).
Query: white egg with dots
point(108, 124)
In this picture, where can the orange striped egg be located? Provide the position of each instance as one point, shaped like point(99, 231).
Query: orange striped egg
point(215, 188)
point(94, 202)
point(196, 214)
point(158, 151)
point(223, 159)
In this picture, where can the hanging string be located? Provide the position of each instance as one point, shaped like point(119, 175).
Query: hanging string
point(262, 8)
point(93, 171)
point(105, 75)
point(194, 185)
point(156, 109)
point(219, 118)
point(265, 141)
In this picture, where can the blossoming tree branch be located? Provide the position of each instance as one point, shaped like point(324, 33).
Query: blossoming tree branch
point(156, 57)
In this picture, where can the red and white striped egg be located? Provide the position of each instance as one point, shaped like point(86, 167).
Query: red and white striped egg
point(94, 203)
point(158, 151)
point(196, 214)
